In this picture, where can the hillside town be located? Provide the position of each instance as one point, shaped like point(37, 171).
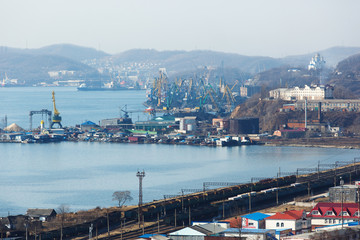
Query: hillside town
point(180, 120)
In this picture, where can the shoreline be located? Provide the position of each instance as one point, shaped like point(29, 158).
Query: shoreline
point(326, 142)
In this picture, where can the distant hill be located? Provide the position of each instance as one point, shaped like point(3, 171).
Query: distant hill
point(34, 68)
point(331, 55)
point(294, 72)
point(181, 61)
point(177, 62)
point(347, 75)
point(73, 52)
point(286, 76)
point(34, 64)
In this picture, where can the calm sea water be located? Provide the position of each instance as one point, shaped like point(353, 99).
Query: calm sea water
point(84, 175)
point(75, 107)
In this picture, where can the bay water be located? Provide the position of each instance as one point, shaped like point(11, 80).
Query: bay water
point(84, 175)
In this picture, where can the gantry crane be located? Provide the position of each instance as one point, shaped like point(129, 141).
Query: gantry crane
point(56, 118)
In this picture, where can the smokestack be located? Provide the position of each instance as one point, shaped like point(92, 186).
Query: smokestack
point(319, 112)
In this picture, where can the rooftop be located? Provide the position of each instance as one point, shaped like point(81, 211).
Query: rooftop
point(256, 216)
point(246, 230)
point(323, 207)
point(289, 215)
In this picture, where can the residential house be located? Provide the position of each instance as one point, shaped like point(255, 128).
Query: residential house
point(348, 231)
point(153, 237)
point(41, 214)
point(224, 224)
point(198, 232)
point(254, 220)
point(250, 234)
point(294, 219)
point(329, 213)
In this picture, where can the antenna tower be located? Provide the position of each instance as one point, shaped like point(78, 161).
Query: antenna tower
point(140, 175)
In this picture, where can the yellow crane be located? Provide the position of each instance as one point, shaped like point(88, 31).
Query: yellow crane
point(56, 118)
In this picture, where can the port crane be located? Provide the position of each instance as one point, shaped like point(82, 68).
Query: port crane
point(56, 118)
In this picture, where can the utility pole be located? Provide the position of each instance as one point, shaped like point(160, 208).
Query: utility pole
point(158, 223)
point(189, 215)
point(223, 208)
point(90, 231)
point(140, 175)
point(26, 230)
point(108, 222)
point(250, 198)
point(175, 217)
point(305, 113)
point(121, 230)
point(342, 202)
point(358, 200)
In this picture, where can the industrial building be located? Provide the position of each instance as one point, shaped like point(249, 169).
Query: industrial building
point(187, 124)
point(249, 90)
point(345, 193)
point(247, 125)
point(89, 126)
point(125, 123)
point(164, 124)
point(350, 105)
point(221, 124)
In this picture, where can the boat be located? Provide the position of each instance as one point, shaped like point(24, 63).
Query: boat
point(84, 87)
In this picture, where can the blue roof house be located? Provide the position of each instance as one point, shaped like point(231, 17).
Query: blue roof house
point(254, 220)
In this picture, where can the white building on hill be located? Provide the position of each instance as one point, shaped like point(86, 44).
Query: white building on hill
point(314, 92)
point(316, 63)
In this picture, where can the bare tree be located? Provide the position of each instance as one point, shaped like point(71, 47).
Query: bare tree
point(62, 210)
point(122, 197)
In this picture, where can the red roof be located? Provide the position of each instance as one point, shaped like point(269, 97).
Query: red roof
point(323, 207)
point(291, 215)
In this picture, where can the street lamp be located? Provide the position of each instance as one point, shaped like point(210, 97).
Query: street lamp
point(342, 202)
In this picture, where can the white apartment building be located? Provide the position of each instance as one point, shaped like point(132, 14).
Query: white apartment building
point(314, 92)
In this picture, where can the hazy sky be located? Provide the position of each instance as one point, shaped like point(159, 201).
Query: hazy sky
point(274, 28)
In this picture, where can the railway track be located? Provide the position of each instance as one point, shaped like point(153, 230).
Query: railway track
point(127, 234)
point(201, 202)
